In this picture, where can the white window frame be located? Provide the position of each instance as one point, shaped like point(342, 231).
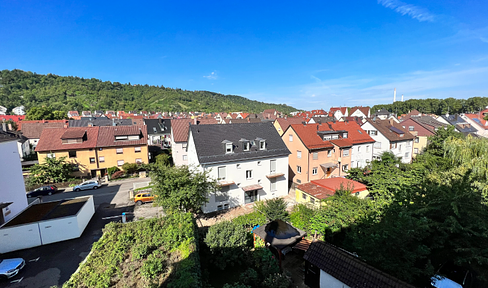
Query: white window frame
point(219, 174)
point(228, 148)
point(185, 157)
point(120, 162)
point(51, 155)
point(345, 152)
point(299, 154)
point(315, 155)
point(119, 150)
point(139, 160)
point(315, 170)
point(345, 167)
point(137, 149)
point(262, 145)
point(101, 159)
point(248, 174)
point(415, 150)
point(290, 138)
point(299, 169)
point(247, 146)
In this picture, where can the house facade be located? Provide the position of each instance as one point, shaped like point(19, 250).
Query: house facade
point(339, 112)
point(158, 132)
point(281, 124)
point(390, 136)
point(359, 111)
point(250, 161)
point(421, 127)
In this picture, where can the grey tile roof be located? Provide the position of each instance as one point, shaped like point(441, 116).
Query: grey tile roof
point(158, 126)
point(99, 121)
point(460, 124)
point(427, 120)
point(210, 149)
point(349, 269)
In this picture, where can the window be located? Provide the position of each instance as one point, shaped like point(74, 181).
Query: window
point(417, 139)
point(120, 150)
point(259, 163)
point(246, 146)
point(250, 196)
point(272, 168)
point(329, 153)
point(359, 148)
point(314, 171)
point(416, 150)
point(228, 147)
point(185, 157)
point(248, 174)
point(120, 162)
point(184, 145)
point(312, 200)
point(304, 196)
point(220, 208)
point(101, 159)
point(117, 138)
point(273, 185)
point(51, 155)
point(221, 173)
point(377, 145)
point(238, 166)
point(299, 169)
point(92, 159)
point(409, 144)
point(410, 128)
point(72, 154)
point(344, 135)
point(400, 147)
point(299, 181)
point(407, 155)
point(137, 149)
point(262, 145)
point(139, 160)
point(345, 167)
point(290, 138)
point(226, 206)
point(373, 132)
point(299, 154)
point(315, 155)
point(345, 153)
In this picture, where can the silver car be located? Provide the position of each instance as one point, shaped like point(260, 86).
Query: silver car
point(92, 184)
point(10, 267)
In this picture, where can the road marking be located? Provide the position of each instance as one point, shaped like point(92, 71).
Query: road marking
point(34, 260)
point(17, 281)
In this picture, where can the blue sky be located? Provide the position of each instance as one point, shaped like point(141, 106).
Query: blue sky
point(308, 54)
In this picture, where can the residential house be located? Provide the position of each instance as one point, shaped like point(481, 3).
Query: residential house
point(99, 121)
point(360, 111)
point(32, 129)
point(390, 136)
point(329, 266)
point(478, 122)
point(460, 124)
point(92, 150)
point(12, 192)
point(362, 143)
point(339, 112)
point(86, 114)
point(317, 190)
point(72, 114)
point(250, 161)
point(23, 147)
point(381, 114)
point(179, 138)
point(421, 127)
point(271, 114)
point(17, 119)
point(98, 113)
point(3, 110)
point(158, 132)
point(20, 110)
point(281, 124)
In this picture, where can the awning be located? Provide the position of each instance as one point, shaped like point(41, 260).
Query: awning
point(328, 165)
point(5, 204)
point(274, 175)
point(252, 187)
point(226, 183)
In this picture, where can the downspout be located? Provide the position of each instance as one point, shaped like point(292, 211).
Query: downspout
point(308, 167)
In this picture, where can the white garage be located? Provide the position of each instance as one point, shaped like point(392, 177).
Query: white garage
point(46, 223)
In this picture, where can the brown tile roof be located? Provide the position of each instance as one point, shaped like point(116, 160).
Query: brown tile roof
point(384, 127)
point(309, 137)
point(50, 139)
point(286, 122)
point(315, 190)
point(21, 123)
point(73, 134)
point(34, 130)
point(365, 110)
point(324, 188)
point(106, 135)
point(355, 133)
point(180, 127)
point(341, 142)
point(348, 268)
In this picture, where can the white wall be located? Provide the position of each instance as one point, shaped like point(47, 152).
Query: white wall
point(178, 151)
point(327, 281)
point(406, 146)
point(358, 113)
point(12, 188)
point(480, 130)
point(59, 229)
point(19, 237)
point(85, 214)
point(362, 156)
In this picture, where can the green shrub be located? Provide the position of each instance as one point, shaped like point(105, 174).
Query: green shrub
point(265, 262)
point(300, 217)
point(250, 220)
point(276, 280)
point(249, 277)
point(141, 251)
point(154, 265)
point(130, 168)
point(112, 170)
point(273, 209)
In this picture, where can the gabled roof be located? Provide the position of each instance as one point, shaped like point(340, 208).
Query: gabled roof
point(158, 126)
point(325, 119)
point(309, 137)
point(208, 141)
point(99, 121)
point(6, 136)
point(428, 120)
point(349, 269)
point(388, 128)
point(342, 109)
point(34, 130)
point(356, 134)
point(106, 135)
point(50, 139)
point(383, 111)
point(180, 127)
point(460, 124)
point(286, 122)
point(364, 110)
point(478, 120)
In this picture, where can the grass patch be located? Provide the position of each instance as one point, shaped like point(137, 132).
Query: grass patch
point(159, 252)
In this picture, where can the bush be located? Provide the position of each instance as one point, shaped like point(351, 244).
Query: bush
point(249, 277)
point(141, 251)
point(118, 174)
point(276, 281)
point(264, 260)
point(273, 209)
point(112, 170)
point(154, 265)
point(300, 217)
point(250, 220)
point(130, 168)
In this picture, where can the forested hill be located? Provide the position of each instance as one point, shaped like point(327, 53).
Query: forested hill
point(75, 93)
point(436, 106)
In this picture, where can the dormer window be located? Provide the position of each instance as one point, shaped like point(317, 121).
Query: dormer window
point(228, 146)
point(246, 146)
point(262, 145)
point(344, 135)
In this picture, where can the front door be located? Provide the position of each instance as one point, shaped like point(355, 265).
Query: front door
point(250, 196)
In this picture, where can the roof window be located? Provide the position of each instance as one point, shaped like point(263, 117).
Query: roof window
point(228, 146)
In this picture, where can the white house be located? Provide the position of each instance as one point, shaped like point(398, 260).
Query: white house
point(12, 191)
point(20, 110)
point(328, 266)
point(3, 110)
point(390, 136)
point(250, 161)
point(363, 112)
point(339, 112)
point(158, 132)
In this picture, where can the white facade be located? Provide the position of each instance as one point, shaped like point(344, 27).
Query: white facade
point(237, 172)
point(480, 130)
point(12, 188)
point(327, 281)
point(361, 155)
point(3, 110)
point(19, 110)
point(359, 113)
point(401, 149)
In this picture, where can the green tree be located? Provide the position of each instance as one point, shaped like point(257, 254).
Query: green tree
point(44, 113)
point(301, 216)
point(227, 242)
point(181, 189)
point(52, 171)
point(163, 159)
point(130, 168)
point(273, 209)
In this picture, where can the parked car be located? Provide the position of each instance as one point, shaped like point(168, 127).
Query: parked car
point(10, 267)
point(92, 184)
point(44, 190)
point(143, 198)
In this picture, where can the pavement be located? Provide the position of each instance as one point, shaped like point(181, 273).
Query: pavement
point(53, 264)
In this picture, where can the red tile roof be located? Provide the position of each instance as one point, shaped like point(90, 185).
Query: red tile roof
point(324, 188)
point(180, 127)
point(355, 133)
point(309, 137)
point(342, 109)
point(34, 130)
point(481, 122)
point(286, 122)
point(364, 110)
point(50, 139)
point(16, 118)
point(315, 190)
point(106, 135)
point(342, 142)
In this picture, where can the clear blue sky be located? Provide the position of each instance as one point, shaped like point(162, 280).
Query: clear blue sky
point(308, 54)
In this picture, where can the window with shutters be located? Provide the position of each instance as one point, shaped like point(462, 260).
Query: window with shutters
point(119, 150)
point(221, 172)
point(120, 162)
point(315, 155)
point(248, 174)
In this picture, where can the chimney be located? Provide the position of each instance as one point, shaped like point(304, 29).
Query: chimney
point(394, 95)
point(402, 97)
point(195, 122)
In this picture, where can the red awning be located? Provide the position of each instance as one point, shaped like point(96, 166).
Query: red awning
point(276, 175)
point(226, 183)
point(252, 187)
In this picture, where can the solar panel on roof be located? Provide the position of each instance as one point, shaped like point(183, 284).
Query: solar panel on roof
point(477, 120)
point(396, 130)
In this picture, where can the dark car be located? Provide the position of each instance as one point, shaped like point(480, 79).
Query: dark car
point(44, 190)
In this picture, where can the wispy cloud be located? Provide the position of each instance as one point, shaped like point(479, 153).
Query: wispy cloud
point(413, 11)
point(212, 76)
